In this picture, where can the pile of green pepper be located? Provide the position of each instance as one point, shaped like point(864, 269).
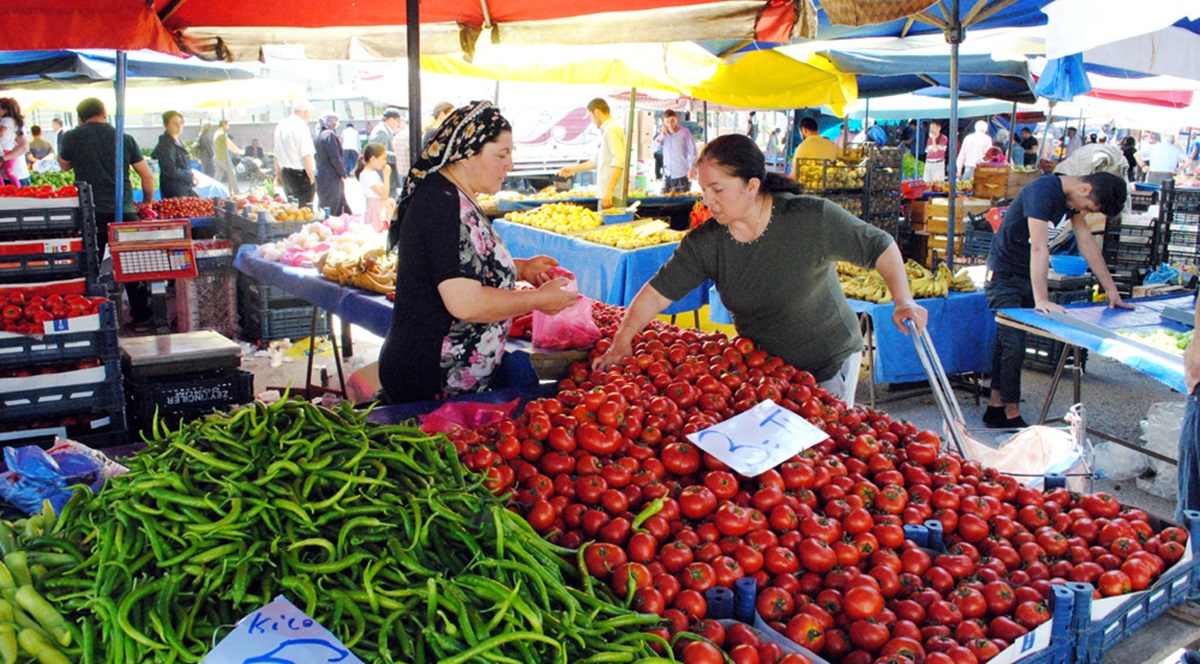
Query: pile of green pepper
point(56, 179)
point(375, 531)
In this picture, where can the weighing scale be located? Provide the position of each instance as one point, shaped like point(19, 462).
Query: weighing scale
point(177, 354)
point(153, 251)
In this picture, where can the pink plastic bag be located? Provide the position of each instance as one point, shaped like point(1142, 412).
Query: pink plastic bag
point(455, 415)
point(572, 328)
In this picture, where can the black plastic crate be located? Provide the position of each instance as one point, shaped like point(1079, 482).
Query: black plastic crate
point(254, 294)
point(1071, 296)
point(187, 397)
point(49, 266)
point(273, 324)
point(262, 228)
point(1176, 200)
point(106, 396)
point(50, 220)
point(25, 350)
point(1042, 354)
point(107, 430)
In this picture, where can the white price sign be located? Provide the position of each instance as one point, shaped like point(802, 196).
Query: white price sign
point(280, 633)
point(759, 439)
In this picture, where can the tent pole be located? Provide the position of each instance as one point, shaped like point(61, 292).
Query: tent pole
point(706, 123)
point(412, 23)
point(120, 171)
point(916, 148)
point(954, 35)
point(629, 143)
point(1012, 129)
point(1046, 132)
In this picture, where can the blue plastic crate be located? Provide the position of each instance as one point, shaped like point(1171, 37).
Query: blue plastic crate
point(25, 350)
point(254, 294)
point(60, 217)
point(272, 324)
point(104, 396)
point(1096, 637)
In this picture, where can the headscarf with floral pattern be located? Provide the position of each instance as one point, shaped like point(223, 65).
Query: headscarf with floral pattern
point(461, 135)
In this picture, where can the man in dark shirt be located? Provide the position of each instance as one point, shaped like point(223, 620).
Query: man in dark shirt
point(91, 149)
point(1029, 145)
point(1018, 264)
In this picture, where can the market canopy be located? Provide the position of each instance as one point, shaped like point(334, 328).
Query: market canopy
point(887, 73)
point(147, 96)
point(1159, 37)
point(759, 79)
point(37, 25)
point(78, 66)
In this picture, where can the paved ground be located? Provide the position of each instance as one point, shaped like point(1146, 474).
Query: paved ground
point(1116, 398)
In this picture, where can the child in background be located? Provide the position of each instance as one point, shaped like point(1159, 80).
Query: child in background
point(8, 141)
point(373, 171)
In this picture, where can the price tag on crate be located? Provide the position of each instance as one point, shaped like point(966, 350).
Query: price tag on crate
point(759, 439)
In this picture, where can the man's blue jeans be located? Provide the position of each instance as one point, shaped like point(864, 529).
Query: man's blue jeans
point(1188, 477)
point(1008, 291)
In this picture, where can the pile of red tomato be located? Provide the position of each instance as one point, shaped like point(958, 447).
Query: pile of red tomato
point(606, 461)
point(44, 191)
point(24, 313)
point(181, 207)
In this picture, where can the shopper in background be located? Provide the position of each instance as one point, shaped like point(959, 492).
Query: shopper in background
point(223, 145)
point(908, 137)
point(205, 150)
point(1072, 142)
point(384, 134)
point(679, 154)
point(1164, 159)
point(331, 167)
point(774, 141)
point(610, 160)
point(1136, 165)
point(372, 173)
point(255, 151)
point(295, 167)
point(39, 148)
point(812, 146)
point(972, 150)
point(752, 126)
point(440, 112)
point(935, 153)
point(1029, 148)
point(350, 144)
point(771, 252)
point(175, 169)
point(1019, 261)
point(91, 149)
point(455, 276)
point(56, 129)
point(13, 142)
point(402, 154)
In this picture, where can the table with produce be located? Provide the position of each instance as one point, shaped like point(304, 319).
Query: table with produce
point(578, 238)
point(1146, 338)
point(586, 526)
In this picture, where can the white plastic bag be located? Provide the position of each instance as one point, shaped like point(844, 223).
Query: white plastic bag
point(1160, 431)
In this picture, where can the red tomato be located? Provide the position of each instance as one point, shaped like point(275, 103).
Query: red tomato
point(862, 602)
point(700, 652)
point(806, 631)
point(697, 502)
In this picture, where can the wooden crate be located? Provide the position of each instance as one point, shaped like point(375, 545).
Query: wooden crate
point(1017, 180)
point(991, 181)
point(940, 207)
point(917, 212)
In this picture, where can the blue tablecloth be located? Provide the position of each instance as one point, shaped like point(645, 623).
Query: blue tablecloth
point(1147, 317)
point(370, 312)
point(604, 273)
point(960, 325)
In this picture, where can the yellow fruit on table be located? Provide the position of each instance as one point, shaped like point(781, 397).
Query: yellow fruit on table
point(557, 217)
point(626, 236)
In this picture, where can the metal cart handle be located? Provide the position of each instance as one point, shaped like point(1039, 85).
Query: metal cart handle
point(943, 394)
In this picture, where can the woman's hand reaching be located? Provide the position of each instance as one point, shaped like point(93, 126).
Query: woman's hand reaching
point(536, 270)
point(553, 296)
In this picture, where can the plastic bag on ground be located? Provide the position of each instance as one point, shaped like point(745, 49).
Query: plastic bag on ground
point(1160, 430)
point(1118, 462)
point(573, 328)
point(35, 474)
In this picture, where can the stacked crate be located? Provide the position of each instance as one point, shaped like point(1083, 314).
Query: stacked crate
point(1180, 224)
point(1132, 248)
point(1041, 353)
point(66, 382)
point(937, 224)
point(209, 301)
point(883, 201)
point(266, 313)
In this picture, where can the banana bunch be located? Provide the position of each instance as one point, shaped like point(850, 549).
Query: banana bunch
point(916, 271)
point(373, 270)
point(845, 269)
point(962, 283)
point(932, 286)
point(869, 287)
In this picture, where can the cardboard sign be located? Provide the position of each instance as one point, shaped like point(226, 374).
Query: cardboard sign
point(280, 633)
point(759, 439)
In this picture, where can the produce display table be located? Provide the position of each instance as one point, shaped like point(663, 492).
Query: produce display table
point(1094, 327)
point(508, 204)
point(608, 274)
point(960, 325)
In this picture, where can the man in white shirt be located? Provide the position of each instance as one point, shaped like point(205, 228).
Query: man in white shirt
point(679, 153)
point(56, 131)
point(294, 154)
point(610, 160)
point(972, 150)
point(350, 146)
point(1072, 143)
point(813, 146)
point(1163, 158)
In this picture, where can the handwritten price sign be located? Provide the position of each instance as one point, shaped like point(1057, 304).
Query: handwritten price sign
point(280, 633)
point(758, 439)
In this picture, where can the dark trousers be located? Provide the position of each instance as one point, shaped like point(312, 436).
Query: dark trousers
point(298, 186)
point(676, 185)
point(351, 157)
point(1008, 291)
point(1188, 477)
point(138, 292)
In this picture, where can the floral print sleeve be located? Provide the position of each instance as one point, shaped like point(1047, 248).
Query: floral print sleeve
point(472, 351)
